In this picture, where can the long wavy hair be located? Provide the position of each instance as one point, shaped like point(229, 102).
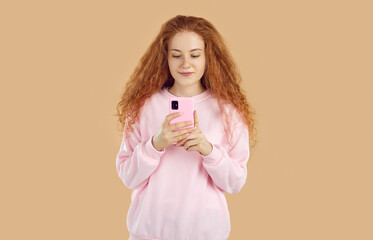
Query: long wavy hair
point(152, 74)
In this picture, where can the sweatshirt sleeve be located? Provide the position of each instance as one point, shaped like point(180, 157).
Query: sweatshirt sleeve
point(228, 168)
point(137, 159)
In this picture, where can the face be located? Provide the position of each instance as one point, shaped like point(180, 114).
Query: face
point(186, 53)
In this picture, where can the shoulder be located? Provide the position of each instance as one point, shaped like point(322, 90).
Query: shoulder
point(154, 106)
point(154, 99)
point(234, 114)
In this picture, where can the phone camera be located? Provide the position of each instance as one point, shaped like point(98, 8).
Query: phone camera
point(174, 105)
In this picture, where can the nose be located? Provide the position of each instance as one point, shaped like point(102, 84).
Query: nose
point(185, 63)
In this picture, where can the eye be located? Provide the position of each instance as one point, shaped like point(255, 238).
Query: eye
point(192, 56)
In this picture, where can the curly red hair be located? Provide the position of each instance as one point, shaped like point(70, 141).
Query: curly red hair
point(152, 74)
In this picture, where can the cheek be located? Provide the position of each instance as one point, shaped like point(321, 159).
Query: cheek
point(172, 66)
point(202, 64)
point(172, 61)
point(202, 67)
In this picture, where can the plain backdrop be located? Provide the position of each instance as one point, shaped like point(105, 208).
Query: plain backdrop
point(307, 71)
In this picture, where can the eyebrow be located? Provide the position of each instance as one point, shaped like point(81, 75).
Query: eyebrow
point(190, 50)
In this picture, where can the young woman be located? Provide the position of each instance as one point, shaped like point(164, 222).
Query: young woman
point(178, 190)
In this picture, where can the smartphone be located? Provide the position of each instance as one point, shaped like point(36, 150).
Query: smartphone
point(185, 105)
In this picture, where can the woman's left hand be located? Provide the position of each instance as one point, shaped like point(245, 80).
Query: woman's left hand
point(196, 141)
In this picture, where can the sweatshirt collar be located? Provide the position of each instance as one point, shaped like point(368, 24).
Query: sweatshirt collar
point(197, 98)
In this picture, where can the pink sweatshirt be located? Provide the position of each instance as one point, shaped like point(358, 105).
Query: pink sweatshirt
point(179, 195)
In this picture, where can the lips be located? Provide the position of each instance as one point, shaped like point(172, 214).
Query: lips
point(186, 73)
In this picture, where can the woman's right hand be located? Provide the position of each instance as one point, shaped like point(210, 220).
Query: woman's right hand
point(166, 134)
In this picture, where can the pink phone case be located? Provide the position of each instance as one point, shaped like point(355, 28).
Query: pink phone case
point(185, 105)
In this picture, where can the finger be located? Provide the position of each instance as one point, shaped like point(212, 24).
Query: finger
point(192, 148)
point(187, 138)
point(187, 124)
point(196, 123)
point(191, 145)
point(181, 137)
point(182, 141)
point(181, 134)
point(171, 116)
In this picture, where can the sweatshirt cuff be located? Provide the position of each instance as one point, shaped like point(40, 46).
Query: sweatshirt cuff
point(214, 156)
point(151, 151)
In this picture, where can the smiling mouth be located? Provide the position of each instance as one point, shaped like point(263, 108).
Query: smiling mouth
point(185, 73)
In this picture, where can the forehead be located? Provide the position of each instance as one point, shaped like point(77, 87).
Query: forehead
point(186, 41)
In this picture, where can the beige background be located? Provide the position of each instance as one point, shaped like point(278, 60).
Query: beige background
point(307, 69)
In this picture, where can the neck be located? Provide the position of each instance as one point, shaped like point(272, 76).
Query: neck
point(186, 91)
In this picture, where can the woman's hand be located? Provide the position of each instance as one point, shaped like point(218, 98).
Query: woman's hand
point(166, 134)
point(196, 141)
